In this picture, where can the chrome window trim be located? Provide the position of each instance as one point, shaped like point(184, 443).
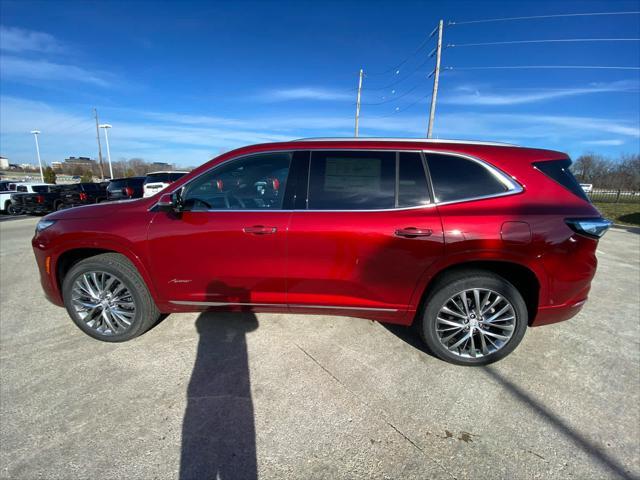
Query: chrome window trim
point(513, 187)
point(279, 305)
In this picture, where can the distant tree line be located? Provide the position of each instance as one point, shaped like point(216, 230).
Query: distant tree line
point(121, 168)
point(606, 173)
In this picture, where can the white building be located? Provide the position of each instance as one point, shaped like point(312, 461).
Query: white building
point(4, 163)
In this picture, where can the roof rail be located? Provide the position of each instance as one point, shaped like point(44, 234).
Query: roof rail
point(391, 139)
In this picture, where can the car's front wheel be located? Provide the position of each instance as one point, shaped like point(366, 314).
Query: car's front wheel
point(473, 317)
point(107, 298)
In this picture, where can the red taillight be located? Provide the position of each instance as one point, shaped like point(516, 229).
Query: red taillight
point(39, 199)
point(128, 191)
point(83, 196)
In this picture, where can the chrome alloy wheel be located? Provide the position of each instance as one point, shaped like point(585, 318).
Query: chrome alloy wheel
point(103, 302)
point(475, 323)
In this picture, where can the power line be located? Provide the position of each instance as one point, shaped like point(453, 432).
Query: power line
point(568, 67)
point(414, 53)
point(558, 40)
point(535, 17)
point(411, 90)
point(397, 82)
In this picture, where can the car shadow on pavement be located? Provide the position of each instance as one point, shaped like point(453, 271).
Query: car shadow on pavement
point(410, 336)
point(218, 432)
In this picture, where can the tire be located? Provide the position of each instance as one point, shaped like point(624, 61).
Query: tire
point(13, 210)
point(436, 325)
point(106, 266)
point(59, 206)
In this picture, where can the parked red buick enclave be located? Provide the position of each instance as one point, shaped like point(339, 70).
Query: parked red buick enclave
point(471, 241)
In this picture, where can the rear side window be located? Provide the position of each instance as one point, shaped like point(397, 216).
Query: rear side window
point(348, 180)
point(456, 178)
point(413, 189)
point(136, 181)
point(558, 170)
point(41, 189)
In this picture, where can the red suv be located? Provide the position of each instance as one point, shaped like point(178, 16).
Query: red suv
point(471, 242)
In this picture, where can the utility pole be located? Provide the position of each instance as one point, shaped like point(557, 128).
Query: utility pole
point(95, 112)
point(358, 101)
point(35, 135)
point(436, 78)
point(106, 128)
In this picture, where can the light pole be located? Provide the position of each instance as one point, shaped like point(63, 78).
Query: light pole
point(35, 135)
point(106, 128)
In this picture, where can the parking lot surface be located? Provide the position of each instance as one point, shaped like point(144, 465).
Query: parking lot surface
point(282, 396)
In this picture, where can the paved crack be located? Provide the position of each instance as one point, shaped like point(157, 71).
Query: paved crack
point(383, 417)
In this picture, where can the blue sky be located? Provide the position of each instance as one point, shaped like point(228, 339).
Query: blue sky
point(184, 81)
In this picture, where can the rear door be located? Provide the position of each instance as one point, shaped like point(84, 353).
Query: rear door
point(366, 234)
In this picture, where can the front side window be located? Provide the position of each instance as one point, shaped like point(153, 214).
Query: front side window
point(352, 180)
point(456, 178)
point(21, 188)
point(256, 182)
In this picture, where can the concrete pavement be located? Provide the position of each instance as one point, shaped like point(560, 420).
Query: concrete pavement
point(283, 396)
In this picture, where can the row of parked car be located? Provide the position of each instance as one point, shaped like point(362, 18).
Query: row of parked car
point(17, 198)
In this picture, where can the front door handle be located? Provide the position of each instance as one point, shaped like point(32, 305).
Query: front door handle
point(259, 230)
point(413, 232)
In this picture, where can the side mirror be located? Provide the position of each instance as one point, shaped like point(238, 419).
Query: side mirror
point(170, 202)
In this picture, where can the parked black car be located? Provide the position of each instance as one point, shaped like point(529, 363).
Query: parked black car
point(44, 200)
point(125, 188)
point(77, 194)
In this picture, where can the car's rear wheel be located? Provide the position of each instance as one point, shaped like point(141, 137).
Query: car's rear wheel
point(473, 317)
point(107, 298)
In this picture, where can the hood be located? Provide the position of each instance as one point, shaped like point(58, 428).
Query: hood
point(98, 210)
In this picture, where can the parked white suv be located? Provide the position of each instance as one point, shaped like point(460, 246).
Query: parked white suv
point(157, 181)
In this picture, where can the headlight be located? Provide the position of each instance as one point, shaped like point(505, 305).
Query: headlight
point(43, 225)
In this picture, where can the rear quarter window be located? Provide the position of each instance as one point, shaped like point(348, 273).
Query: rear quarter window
point(558, 171)
point(455, 178)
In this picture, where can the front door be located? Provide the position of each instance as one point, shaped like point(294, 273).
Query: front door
point(228, 245)
point(368, 234)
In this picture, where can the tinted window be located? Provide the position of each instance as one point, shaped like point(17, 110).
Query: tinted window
point(457, 178)
point(21, 188)
point(116, 184)
point(558, 170)
point(256, 182)
point(135, 181)
point(352, 180)
point(413, 189)
point(90, 187)
point(157, 177)
point(41, 189)
point(175, 176)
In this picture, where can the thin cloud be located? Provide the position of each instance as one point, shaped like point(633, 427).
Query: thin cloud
point(18, 40)
point(22, 69)
point(475, 97)
point(612, 142)
point(304, 93)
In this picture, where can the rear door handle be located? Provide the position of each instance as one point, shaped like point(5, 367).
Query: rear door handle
point(259, 230)
point(413, 232)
